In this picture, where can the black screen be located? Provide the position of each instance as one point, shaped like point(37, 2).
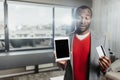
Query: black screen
point(62, 48)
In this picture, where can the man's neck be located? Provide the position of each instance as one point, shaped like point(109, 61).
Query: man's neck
point(81, 37)
point(87, 31)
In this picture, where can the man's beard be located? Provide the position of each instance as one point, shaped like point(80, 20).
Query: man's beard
point(80, 31)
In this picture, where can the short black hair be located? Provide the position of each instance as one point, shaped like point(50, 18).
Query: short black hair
point(82, 7)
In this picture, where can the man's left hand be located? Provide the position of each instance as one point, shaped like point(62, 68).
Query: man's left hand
point(104, 63)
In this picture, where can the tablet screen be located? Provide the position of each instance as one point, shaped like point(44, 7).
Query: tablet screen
point(62, 48)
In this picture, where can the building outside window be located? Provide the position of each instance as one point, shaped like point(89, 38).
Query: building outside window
point(33, 26)
point(2, 36)
point(63, 21)
point(30, 26)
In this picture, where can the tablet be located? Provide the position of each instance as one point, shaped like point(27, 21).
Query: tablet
point(101, 51)
point(61, 46)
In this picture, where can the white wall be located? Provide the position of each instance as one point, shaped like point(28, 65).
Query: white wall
point(106, 20)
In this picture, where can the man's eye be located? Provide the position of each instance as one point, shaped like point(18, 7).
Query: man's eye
point(87, 18)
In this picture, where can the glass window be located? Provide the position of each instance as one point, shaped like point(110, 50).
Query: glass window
point(2, 36)
point(63, 21)
point(30, 26)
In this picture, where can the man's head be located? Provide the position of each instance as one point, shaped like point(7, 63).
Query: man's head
point(83, 17)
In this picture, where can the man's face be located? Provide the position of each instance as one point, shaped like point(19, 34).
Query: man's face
point(83, 21)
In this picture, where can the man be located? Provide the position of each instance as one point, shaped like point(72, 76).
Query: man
point(85, 63)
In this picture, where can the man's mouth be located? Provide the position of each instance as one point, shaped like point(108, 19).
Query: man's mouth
point(82, 27)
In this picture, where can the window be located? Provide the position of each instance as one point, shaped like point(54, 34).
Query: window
point(30, 26)
point(63, 21)
point(2, 36)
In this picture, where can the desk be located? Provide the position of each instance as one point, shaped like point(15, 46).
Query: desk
point(113, 75)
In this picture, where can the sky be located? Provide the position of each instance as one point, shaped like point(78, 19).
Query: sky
point(31, 14)
point(1, 12)
point(22, 14)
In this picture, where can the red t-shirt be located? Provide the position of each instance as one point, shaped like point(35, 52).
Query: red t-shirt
point(81, 50)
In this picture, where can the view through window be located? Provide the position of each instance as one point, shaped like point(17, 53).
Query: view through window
point(63, 21)
point(30, 26)
point(2, 36)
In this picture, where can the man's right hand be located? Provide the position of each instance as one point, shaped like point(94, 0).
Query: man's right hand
point(63, 63)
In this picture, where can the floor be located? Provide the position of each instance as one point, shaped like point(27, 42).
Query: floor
point(37, 76)
point(50, 75)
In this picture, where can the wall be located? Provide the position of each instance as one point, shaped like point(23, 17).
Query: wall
point(106, 20)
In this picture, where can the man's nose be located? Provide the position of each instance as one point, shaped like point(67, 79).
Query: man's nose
point(82, 21)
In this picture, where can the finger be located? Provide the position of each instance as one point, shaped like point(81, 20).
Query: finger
point(105, 64)
point(106, 58)
point(101, 65)
point(102, 68)
point(63, 62)
point(101, 58)
point(70, 52)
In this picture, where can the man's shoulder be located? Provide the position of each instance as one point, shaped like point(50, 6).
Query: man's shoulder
point(71, 35)
point(96, 35)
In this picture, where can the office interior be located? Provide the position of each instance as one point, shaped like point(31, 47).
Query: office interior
point(28, 28)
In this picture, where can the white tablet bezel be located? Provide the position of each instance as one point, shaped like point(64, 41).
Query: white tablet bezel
point(61, 38)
